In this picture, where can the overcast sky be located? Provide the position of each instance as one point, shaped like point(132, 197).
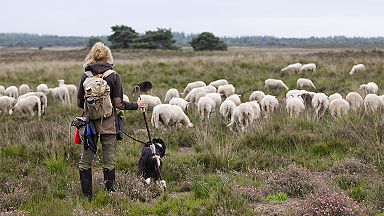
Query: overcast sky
point(281, 18)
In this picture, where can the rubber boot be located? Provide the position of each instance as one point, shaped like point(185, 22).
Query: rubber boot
point(109, 179)
point(86, 183)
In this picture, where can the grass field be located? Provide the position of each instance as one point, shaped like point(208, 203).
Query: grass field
point(281, 166)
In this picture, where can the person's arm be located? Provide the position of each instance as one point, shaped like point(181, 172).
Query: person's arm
point(81, 93)
point(117, 95)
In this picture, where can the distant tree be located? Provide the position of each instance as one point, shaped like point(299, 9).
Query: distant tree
point(123, 37)
point(160, 39)
point(92, 41)
point(207, 41)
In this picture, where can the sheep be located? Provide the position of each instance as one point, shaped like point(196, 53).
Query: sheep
point(169, 115)
point(242, 117)
point(355, 101)
point(183, 104)
point(294, 91)
point(218, 83)
point(227, 108)
point(304, 83)
point(27, 104)
point(256, 109)
point(357, 68)
point(226, 90)
point(12, 91)
point(275, 84)
point(191, 96)
point(295, 105)
point(334, 96)
point(216, 97)
point(256, 96)
point(205, 107)
point(42, 88)
point(60, 94)
point(125, 98)
point(308, 67)
point(72, 89)
point(41, 95)
point(338, 107)
point(193, 85)
point(235, 98)
point(6, 103)
point(372, 103)
point(171, 93)
point(2, 90)
point(24, 88)
point(370, 87)
point(269, 104)
point(320, 103)
point(292, 68)
point(150, 101)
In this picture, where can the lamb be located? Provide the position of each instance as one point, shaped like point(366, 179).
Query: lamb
point(205, 107)
point(256, 96)
point(125, 98)
point(256, 109)
point(334, 96)
point(355, 101)
point(304, 83)
point(60, 94)
point(235, 98)
point(171, 93)
point(227, 108)
point(41, 96)
point(42, 88)
point(169, 115)
point(193, 85)
point(27, 104)
point(183, 104)
point(308, 67)
point(6, 103)
point(218, 83)
point(2, 90)
point(339, 107)
point(292, 68)
point(226, 90)
point(12, 91)
point(320, 103)
point(150, 101)
point(275, 84)
point(269, 104)
point(357, 68)
point(372, 103)
point(295, 105)
point(24, 88)
point(370, 87)
point(72, 89)
point(242, 117)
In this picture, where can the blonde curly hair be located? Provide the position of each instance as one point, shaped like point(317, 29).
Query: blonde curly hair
point(99, 53)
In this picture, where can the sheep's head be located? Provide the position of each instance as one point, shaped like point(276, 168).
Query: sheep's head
point(11, 111)
point(190, 125)
point(363, 87)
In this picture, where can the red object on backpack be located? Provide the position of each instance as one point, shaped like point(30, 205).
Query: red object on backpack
point(77, 139)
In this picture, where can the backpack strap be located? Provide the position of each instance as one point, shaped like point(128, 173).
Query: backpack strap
point(108, 72)
point(88, 73)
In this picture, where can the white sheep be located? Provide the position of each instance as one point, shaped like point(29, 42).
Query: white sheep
point(171, 93)
point(169, 115)
point(227, 108)
point(72, 89)
point(334, 96)
point(355, 101)
point(218, 83)
point(125, 98)
point(370, 87)
point(292, 68)
point(205, 107)
point(60, 94)
point(275, 84)
point(235, 98)
point(320, 103)
point(308, 67)
point(41, 96)
point(256, 109)
point(27, 104)
point(256, 96)
point(339, 107)
point(42, 88)
point(216, 97)
point(183, 104)
point(294, 91)
point(295, 105)
point(372, 103)
point(12, 91)
point(357, 68)
point(269, 104)
point(191, 96)
point(304, 83)
point(150, 101)
point(243, 116)
point(24, 88)
point(193, 85)
point(226, 90)
point(6, 103)
point(2, 90)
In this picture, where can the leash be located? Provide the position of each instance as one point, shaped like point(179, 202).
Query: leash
point(134, 138)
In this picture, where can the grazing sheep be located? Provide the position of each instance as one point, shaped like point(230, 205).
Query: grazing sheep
point(256, 96)
point(2, 90)
point(370, 87)
point(60, 94)
point(183, 104)
point(24, 88)
point(320, 103)
point(125, 98)
point(294, 91)
point(193, 85)
point(42, 88)
point(12, 91)
point(150, 101)
point(269, 104)
point(205, 107)
point(216, 97)
point(256, 109)
point(41, 96)
point(191, 96)
point(6, 103)
point(171, 93)
point(72, 89)
point(355, 101)
point(308, 67)
point(218, 83)
point(242, 117)
point(295, 105)
point(275, 84)
point(235, 98)
point(304, 83)
point(372, 103)
point(339, 107)
point(27, 104)
point(169, 115)
point(227, 108)
point(292, 68)
point(357, 68)
point(334, 96)
point(226, 90)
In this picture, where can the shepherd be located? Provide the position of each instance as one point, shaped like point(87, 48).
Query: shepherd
point(100, 94)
